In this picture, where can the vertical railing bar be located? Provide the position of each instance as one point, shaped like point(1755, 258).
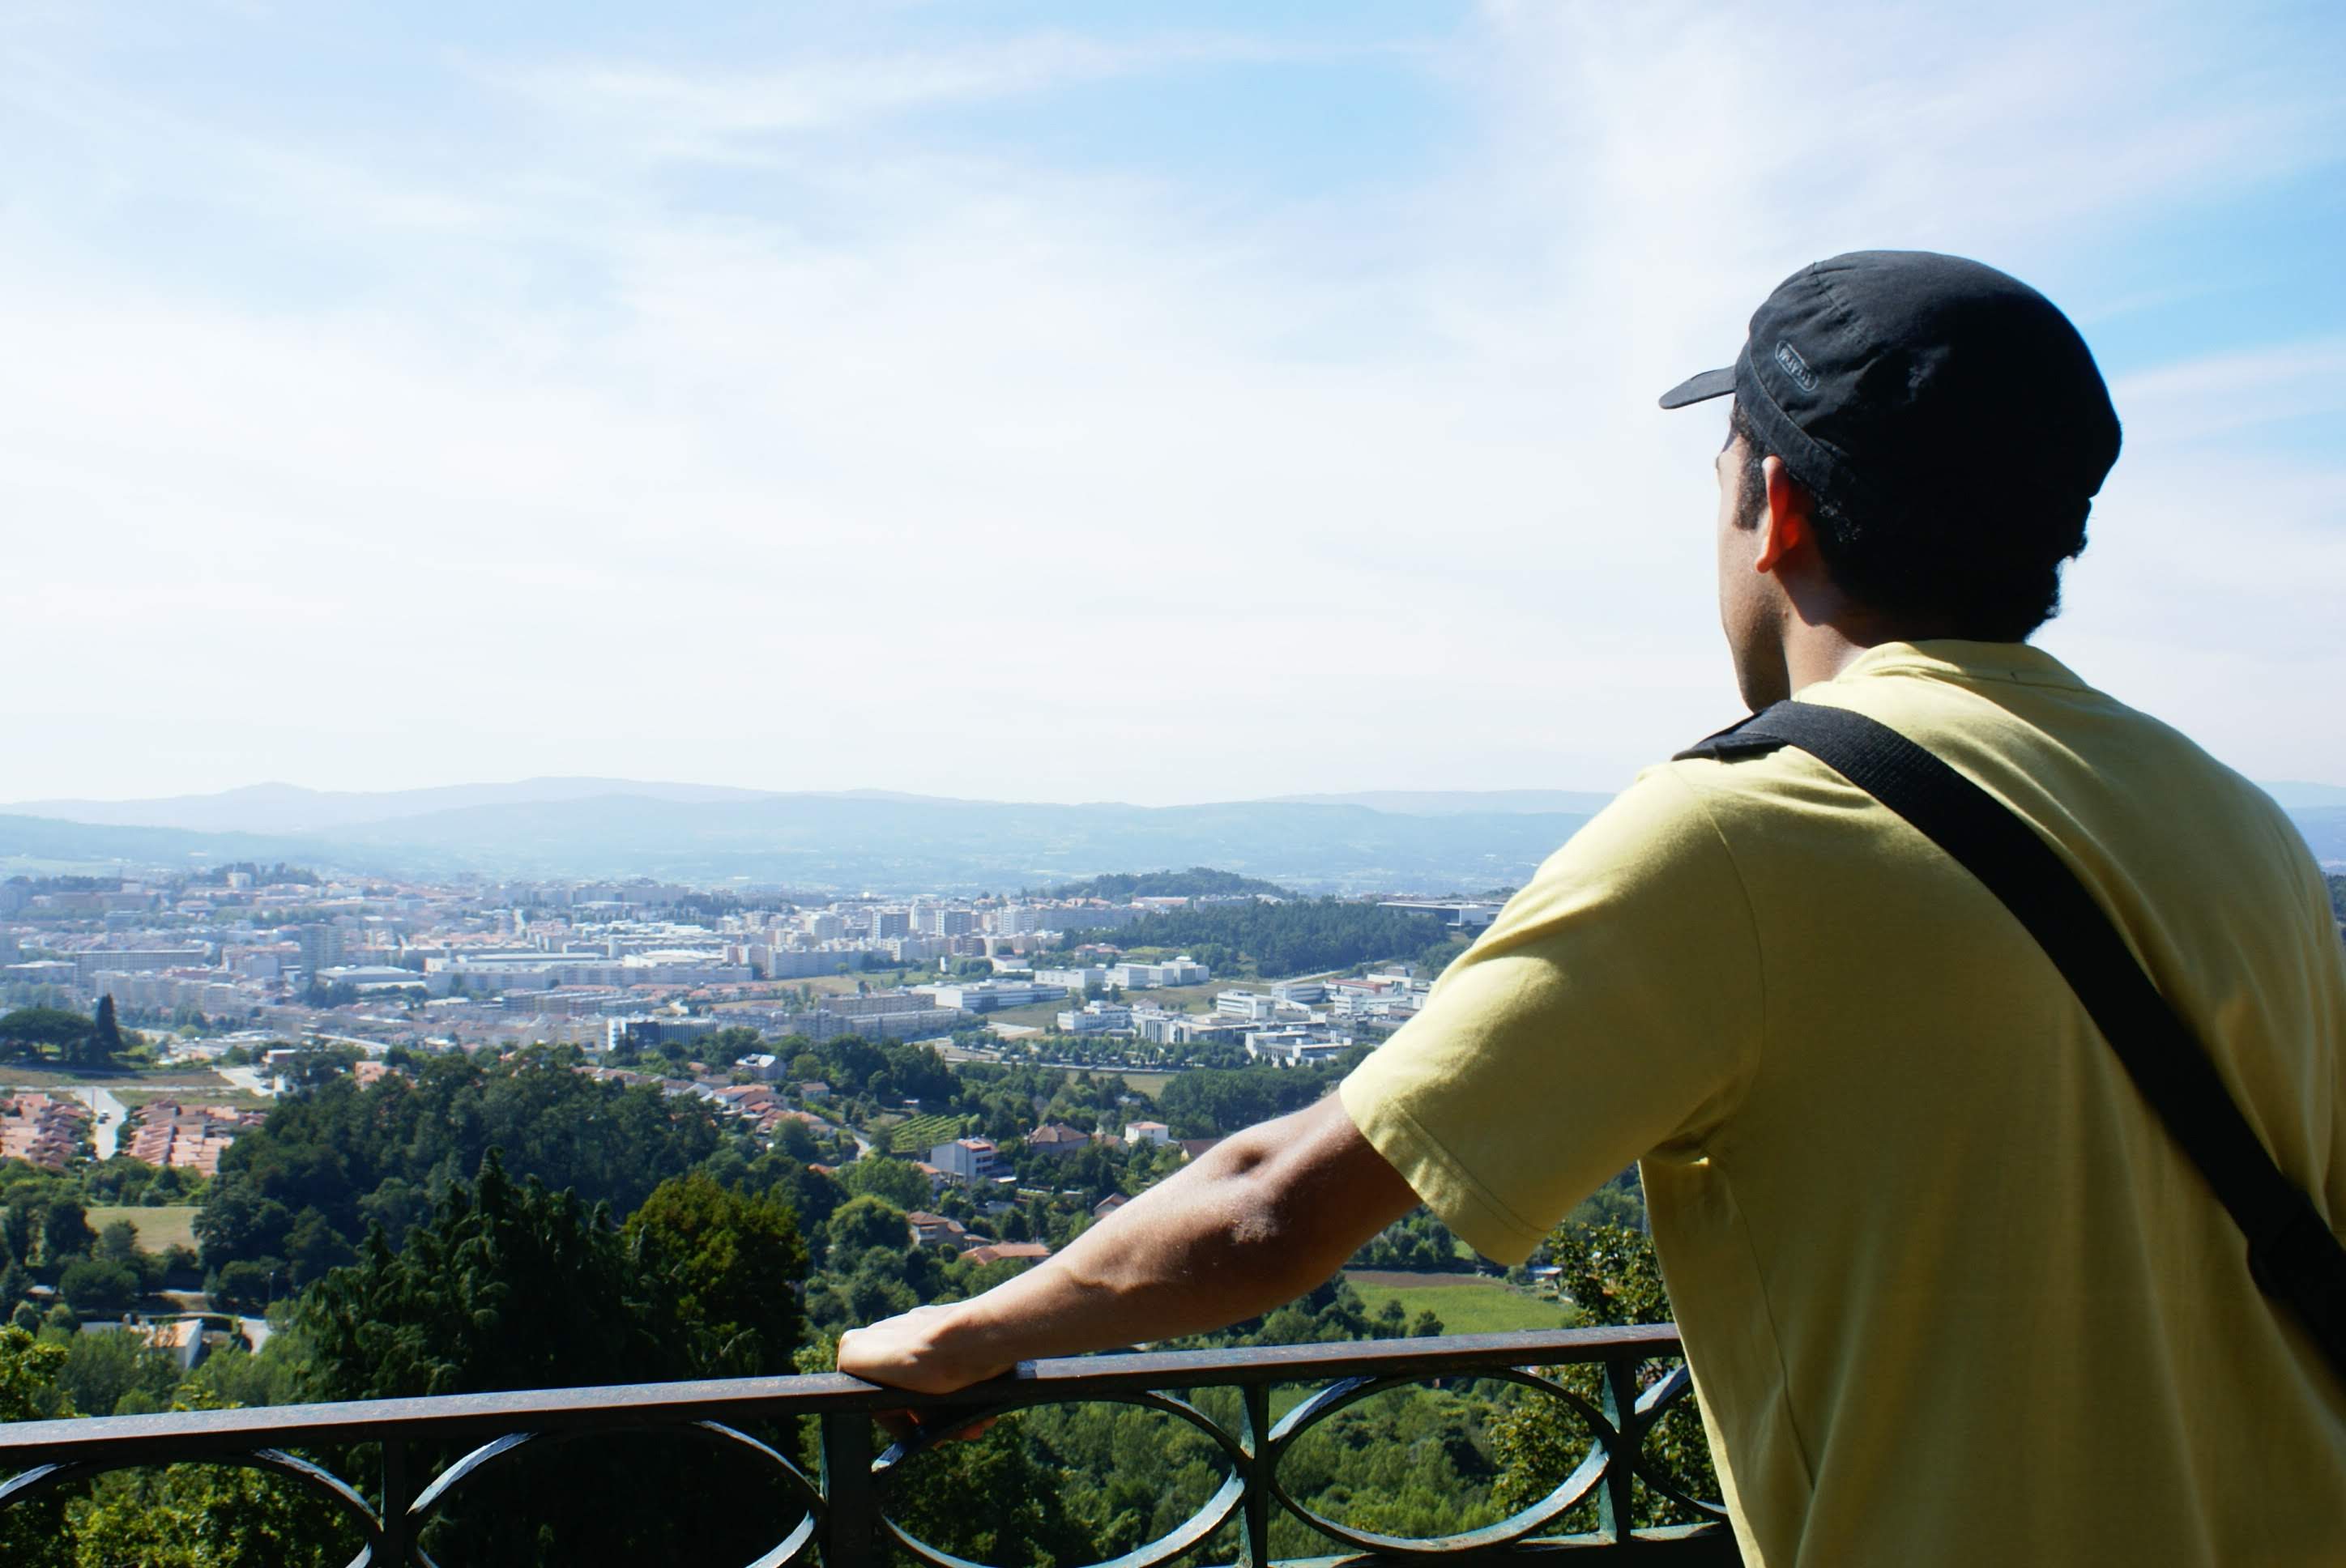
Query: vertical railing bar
point(851, 1532)
point(1257, 1500)
point(398, 1495)
point(1616, 1506)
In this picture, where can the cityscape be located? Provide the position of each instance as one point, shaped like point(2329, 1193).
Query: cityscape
point(249, 972)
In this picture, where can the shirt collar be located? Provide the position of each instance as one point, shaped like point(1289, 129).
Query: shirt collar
point(1951, 658)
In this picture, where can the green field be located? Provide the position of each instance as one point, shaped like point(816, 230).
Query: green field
point(922, 1134)
point(218, 1091)
point(17, 1075)
point(158, 1227)
point(1479, 1309)
point(1040, 1015)
point(1146, 1082)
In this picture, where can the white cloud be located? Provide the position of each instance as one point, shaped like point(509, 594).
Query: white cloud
point(730, 114)
point(2193, 399)
point(948, 471)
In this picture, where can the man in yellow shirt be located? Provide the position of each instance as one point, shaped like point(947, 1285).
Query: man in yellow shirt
point(1949, 1292)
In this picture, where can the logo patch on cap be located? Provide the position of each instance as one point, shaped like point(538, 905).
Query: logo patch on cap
point(1796, 367)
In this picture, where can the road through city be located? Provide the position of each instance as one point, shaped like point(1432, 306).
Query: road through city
point(108, 1115)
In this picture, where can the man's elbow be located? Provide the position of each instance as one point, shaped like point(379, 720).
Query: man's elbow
point(1279, 1226)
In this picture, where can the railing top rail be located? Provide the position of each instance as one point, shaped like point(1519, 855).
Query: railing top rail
point(459, 1416)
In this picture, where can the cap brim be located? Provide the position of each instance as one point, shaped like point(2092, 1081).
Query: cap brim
point(1700, 388)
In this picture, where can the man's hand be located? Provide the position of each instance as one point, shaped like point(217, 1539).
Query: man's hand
point(916, 1350)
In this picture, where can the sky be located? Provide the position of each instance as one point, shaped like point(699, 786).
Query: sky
point(1154, 402)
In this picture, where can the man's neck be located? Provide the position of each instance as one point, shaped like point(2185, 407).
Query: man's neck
point(1815, 651)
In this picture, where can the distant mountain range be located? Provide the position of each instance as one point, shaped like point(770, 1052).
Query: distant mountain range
point(1466, 802)
point(289, 809)
point(851, 841)
point(2305, 797)
point(1420, 842)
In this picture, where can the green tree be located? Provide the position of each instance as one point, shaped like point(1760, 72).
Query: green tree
point(104, 1044)
point(205, 1516)
point(32, 1533)
point(723, 1267)
point(20, 1226)
point(338, 1146)
point(119, 1243)
point(106, 1369)
point(248, 1284)
point(99, 1289)
point(992, 1500)
point(66, 1232)
point(234, 1377)
point(28, 1378)
point(900, 1182)
point(33, 1031)
point(314, 1247)
point(1612, 1277)
point(512, 1287)
point(862, 1223)
point(241, 1223)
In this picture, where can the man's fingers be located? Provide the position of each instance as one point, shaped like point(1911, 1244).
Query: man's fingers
point(971, 1433)
point(903, 1425)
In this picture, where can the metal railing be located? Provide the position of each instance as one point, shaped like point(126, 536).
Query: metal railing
point(847, 1522)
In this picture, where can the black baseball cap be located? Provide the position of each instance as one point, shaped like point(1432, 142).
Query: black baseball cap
point(1904, 383)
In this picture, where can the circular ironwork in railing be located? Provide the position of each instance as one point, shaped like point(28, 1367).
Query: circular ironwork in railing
point(1651, 1406)
point(791, 1548)
point(1608, 1445)
point(43, 1478)
point(1210, 1516)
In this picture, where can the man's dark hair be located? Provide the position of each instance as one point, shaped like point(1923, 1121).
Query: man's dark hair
point(1990, 579)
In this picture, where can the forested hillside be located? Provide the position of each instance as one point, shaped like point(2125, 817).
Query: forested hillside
point(1197, 882)
point(1301, 937)
point(296, 1197)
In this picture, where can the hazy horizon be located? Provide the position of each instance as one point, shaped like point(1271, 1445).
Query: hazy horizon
point(2296, 792)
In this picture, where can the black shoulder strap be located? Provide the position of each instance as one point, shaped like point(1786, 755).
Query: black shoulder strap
point(2292, 1254)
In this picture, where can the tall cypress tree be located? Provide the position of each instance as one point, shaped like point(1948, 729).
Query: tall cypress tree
point(104, 1042)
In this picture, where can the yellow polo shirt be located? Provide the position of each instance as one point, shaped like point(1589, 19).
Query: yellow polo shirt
point(1949, 1293)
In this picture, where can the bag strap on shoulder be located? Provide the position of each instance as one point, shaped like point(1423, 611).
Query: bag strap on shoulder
point(2292, 1253)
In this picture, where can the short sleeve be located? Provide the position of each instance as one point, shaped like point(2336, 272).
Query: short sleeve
point(1613, 1009)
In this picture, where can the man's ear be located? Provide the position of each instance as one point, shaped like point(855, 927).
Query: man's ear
point(1789, 524)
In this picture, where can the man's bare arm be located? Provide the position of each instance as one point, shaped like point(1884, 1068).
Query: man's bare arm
point(1258, 1221)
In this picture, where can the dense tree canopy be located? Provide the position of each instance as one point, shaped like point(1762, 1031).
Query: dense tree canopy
point(1197, 882)
point(298, 1193)
point(723, 1268)
point(69, 1038)
point(509, 1286)
point(1211, 1101)
point(1302, 936)
point(898, 1181)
